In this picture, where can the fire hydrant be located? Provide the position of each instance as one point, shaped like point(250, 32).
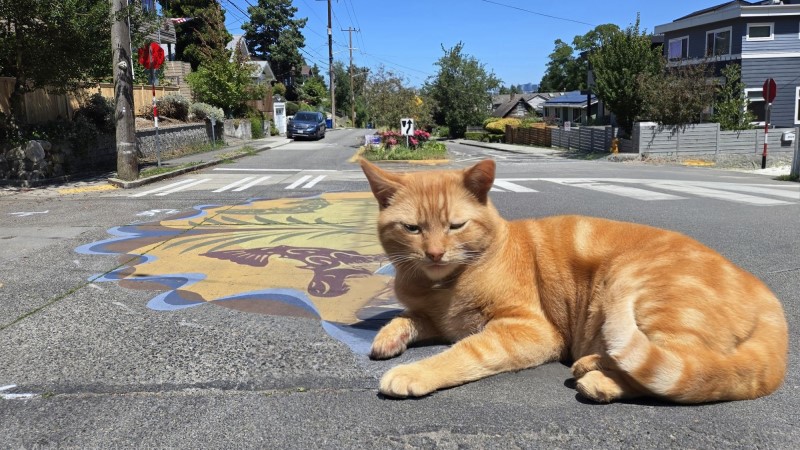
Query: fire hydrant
point(615, 145)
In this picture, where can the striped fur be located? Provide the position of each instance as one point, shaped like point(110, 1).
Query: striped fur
point(639, 310)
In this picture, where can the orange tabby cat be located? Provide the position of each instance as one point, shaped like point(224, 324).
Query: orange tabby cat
point(641, 311)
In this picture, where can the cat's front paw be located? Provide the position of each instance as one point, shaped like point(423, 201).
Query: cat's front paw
point(406, 381)
point(388, 344)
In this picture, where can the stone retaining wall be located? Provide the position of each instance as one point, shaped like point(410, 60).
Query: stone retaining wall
point(37, 162)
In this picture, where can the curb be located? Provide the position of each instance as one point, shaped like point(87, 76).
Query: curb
point(423, 162)
point(163, 176)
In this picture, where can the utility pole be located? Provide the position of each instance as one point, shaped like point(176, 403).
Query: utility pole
point(352, 92)
point(330, 65)
point(127, 162)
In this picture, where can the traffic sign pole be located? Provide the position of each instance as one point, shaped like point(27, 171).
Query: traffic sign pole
point(769, 90)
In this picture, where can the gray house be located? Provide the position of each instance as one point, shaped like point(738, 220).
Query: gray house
point(763, 36)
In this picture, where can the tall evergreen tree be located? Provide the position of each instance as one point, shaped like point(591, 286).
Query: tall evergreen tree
point(274, 34)
point(202, 38)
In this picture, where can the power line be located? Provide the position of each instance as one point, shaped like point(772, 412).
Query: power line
point(540, 14)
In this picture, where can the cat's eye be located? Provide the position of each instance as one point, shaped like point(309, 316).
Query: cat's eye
point(414, 229)
point(457, 226)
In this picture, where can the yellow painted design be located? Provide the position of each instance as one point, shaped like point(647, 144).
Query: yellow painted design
point(325, 247)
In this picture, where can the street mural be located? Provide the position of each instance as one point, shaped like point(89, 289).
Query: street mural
point(313, 257)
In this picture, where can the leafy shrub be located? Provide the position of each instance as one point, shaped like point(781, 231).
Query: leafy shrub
point(174, 106)
point(204, 111)
point(256, 127)
point(499, 125)
point(480, 136)
point(292, 108)
point(99, 111)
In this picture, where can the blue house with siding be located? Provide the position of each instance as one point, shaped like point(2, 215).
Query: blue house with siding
point(763, 37)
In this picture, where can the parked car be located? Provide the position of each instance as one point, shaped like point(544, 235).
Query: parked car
point(306, 124)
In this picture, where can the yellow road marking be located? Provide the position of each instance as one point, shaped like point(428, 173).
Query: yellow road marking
point(78, 190)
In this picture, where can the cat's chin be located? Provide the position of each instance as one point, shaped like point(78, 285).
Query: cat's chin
point(438, 271)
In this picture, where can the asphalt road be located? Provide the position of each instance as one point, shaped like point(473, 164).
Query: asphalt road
point(103, 347)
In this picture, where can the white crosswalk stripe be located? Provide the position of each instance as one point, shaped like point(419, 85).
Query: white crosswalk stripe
point(169, 186)
point(302, 180)
point(513, 187)
point(637, 189)
point(311, 183)
point(251, 184)
point(183, 187)
point(234, 184)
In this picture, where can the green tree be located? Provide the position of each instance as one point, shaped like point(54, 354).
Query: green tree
point(730, 109)
point(563, 70)
point(567, 71)
point(273, 34)
point(389, 99)
point(58, 44)
point(225, 84)
point(690, 93)
point(204, 37)
point(461, 90)
point(617, 66)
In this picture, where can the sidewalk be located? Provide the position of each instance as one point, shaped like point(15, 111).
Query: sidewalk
point(202, 160)
point(522, 149)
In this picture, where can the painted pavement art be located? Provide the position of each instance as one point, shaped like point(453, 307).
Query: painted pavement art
point(313, 257)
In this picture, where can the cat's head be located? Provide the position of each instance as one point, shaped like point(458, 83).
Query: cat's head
point(435, 222)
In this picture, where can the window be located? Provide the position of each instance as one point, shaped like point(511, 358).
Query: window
point(718, 42)
point(756, 103)
point(760, 32)
point(678, 48)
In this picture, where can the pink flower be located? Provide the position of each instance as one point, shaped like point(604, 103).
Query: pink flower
point(413, 141)
point(392, 141)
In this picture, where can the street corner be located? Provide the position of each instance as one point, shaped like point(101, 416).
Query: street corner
point(312, 257)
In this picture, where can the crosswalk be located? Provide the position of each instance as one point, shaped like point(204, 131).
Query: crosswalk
point(647, 190)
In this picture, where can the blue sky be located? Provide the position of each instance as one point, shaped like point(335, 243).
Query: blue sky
point(511, 38)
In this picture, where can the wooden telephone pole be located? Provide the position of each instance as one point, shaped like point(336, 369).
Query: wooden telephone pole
point(127, 162)
point(330, 65)
point(352, 92)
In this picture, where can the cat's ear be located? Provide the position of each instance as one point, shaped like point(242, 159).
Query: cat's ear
point(478, 179)
point(383, 184)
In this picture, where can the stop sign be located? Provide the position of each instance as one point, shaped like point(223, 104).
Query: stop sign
point(769, 90)
point(152, 56)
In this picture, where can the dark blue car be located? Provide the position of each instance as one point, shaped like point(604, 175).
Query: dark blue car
point(306, 124)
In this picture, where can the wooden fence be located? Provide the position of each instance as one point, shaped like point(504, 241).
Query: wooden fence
point(42, 106)
point(705, 139)
point(539, 136)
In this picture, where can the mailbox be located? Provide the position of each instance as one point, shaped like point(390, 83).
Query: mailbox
point(787, 137)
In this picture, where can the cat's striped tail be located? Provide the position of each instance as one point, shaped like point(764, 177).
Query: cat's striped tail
point(695, 374)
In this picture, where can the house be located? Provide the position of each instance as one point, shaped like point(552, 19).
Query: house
point(572, 107)
point(520, 105)
point(262, 73)
point(516, 105)
point(763, 37)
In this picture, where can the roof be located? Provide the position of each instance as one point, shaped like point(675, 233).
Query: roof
point(731, 10)
point(714, 9)
point(238, 41)
point(573, 98)
point(505, 108)
point(263, 67)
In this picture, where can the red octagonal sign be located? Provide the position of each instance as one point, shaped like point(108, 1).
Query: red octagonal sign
point(152, 56)
point(770, 89)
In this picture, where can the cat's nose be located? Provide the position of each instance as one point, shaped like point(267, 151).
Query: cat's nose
point(434, 255)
